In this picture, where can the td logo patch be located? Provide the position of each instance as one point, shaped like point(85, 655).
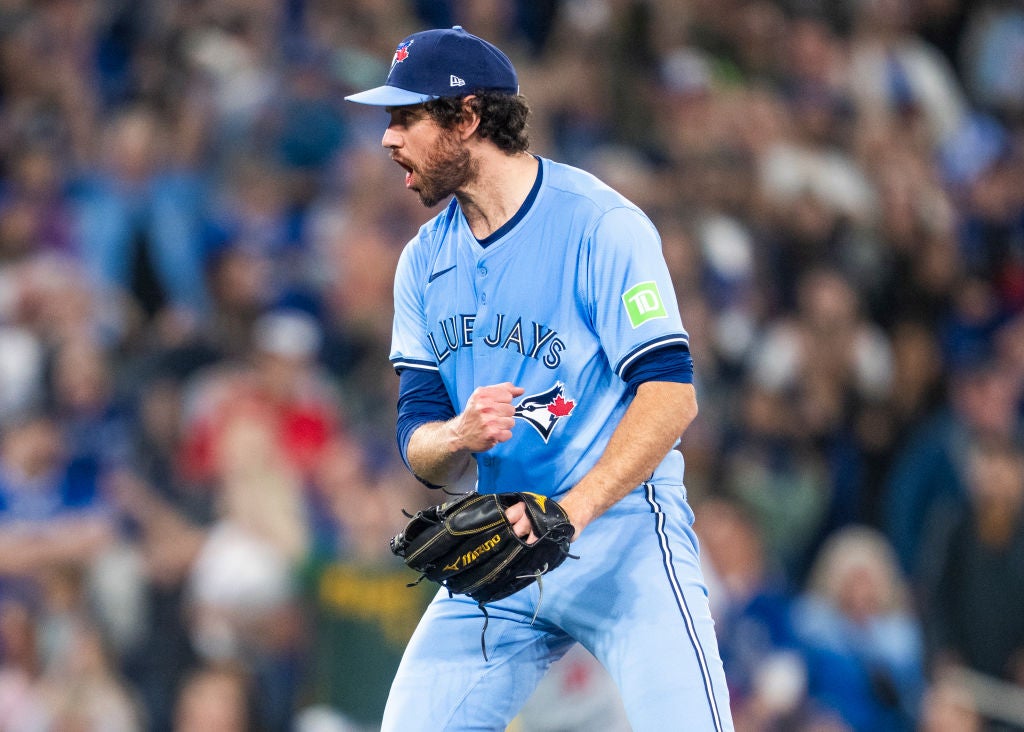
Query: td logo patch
point(543, 411)
point(643, 302)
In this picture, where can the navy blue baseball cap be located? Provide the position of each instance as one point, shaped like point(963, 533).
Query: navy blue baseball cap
point(441, 63)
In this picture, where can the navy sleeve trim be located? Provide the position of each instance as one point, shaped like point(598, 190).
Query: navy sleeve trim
point(677, 339)
point(671, 363)
point(422, 398)
point(401, 364)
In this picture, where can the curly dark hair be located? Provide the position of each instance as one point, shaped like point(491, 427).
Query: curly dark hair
point(503, 117)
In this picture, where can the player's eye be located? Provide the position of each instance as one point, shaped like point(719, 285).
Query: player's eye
point(406, 116)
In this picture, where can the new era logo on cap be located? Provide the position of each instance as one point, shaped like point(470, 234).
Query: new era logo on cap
point(441, 63)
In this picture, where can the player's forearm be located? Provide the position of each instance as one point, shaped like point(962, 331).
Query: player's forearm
point(439, 452)
point(659, 414)
point(436, 454)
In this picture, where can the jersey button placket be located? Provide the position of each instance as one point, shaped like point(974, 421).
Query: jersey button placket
point(481, 272)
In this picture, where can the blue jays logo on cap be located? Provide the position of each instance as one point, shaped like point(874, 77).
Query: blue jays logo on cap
point(441, 63)
point(401, 53)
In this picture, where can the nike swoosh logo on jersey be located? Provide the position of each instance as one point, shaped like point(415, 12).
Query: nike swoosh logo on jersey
point(435, 275)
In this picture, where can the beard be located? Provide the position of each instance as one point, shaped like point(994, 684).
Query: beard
point(447, 168)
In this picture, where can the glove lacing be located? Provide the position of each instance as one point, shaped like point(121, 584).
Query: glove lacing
point(540, 597)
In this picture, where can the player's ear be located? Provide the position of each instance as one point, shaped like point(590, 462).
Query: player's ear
point(469, 120)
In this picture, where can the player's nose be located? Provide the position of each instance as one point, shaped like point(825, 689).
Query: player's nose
point(391, 139)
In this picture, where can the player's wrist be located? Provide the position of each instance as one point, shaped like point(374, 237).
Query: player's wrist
point(455, 437)
point(579, 509)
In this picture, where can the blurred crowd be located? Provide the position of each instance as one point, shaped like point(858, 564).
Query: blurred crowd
point(197, 239)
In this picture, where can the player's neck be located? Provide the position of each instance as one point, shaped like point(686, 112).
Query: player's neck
point(498, 191)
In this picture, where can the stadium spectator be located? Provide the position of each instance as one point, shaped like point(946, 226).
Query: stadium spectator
point(770, 466)
point(279, 382)
point(139, 217)
point(52, 511)
point(930, 467)
point(359, 611)
point(241, 593)
point(972, 585)
point(859, 634)
point(752, 607)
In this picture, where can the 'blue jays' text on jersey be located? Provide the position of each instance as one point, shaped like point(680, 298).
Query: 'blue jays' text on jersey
point(561, 304)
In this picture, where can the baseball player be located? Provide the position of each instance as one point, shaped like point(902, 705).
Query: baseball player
point(536, 333)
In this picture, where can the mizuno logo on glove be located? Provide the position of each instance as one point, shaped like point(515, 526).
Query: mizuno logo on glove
point(469, 557)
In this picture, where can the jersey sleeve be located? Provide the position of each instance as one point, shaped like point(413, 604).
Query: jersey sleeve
point(629, 291)
point(410, 348)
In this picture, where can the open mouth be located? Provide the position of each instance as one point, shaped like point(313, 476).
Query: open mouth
point(408, 172)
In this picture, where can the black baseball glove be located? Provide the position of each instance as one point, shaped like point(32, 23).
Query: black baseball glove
point(467, 544)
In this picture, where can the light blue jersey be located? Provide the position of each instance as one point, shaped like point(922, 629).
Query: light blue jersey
point(561, 303)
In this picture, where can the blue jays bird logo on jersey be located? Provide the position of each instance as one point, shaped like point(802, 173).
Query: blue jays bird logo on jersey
point(544, 410)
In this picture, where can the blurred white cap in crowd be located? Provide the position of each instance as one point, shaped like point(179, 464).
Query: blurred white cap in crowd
point(686, 71)
point(322, 718)
point(287, 333)
point(21, 367)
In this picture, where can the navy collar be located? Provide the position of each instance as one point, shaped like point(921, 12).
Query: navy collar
point(510, 224)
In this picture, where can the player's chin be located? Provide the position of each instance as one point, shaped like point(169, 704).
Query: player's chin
point(428, 197)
